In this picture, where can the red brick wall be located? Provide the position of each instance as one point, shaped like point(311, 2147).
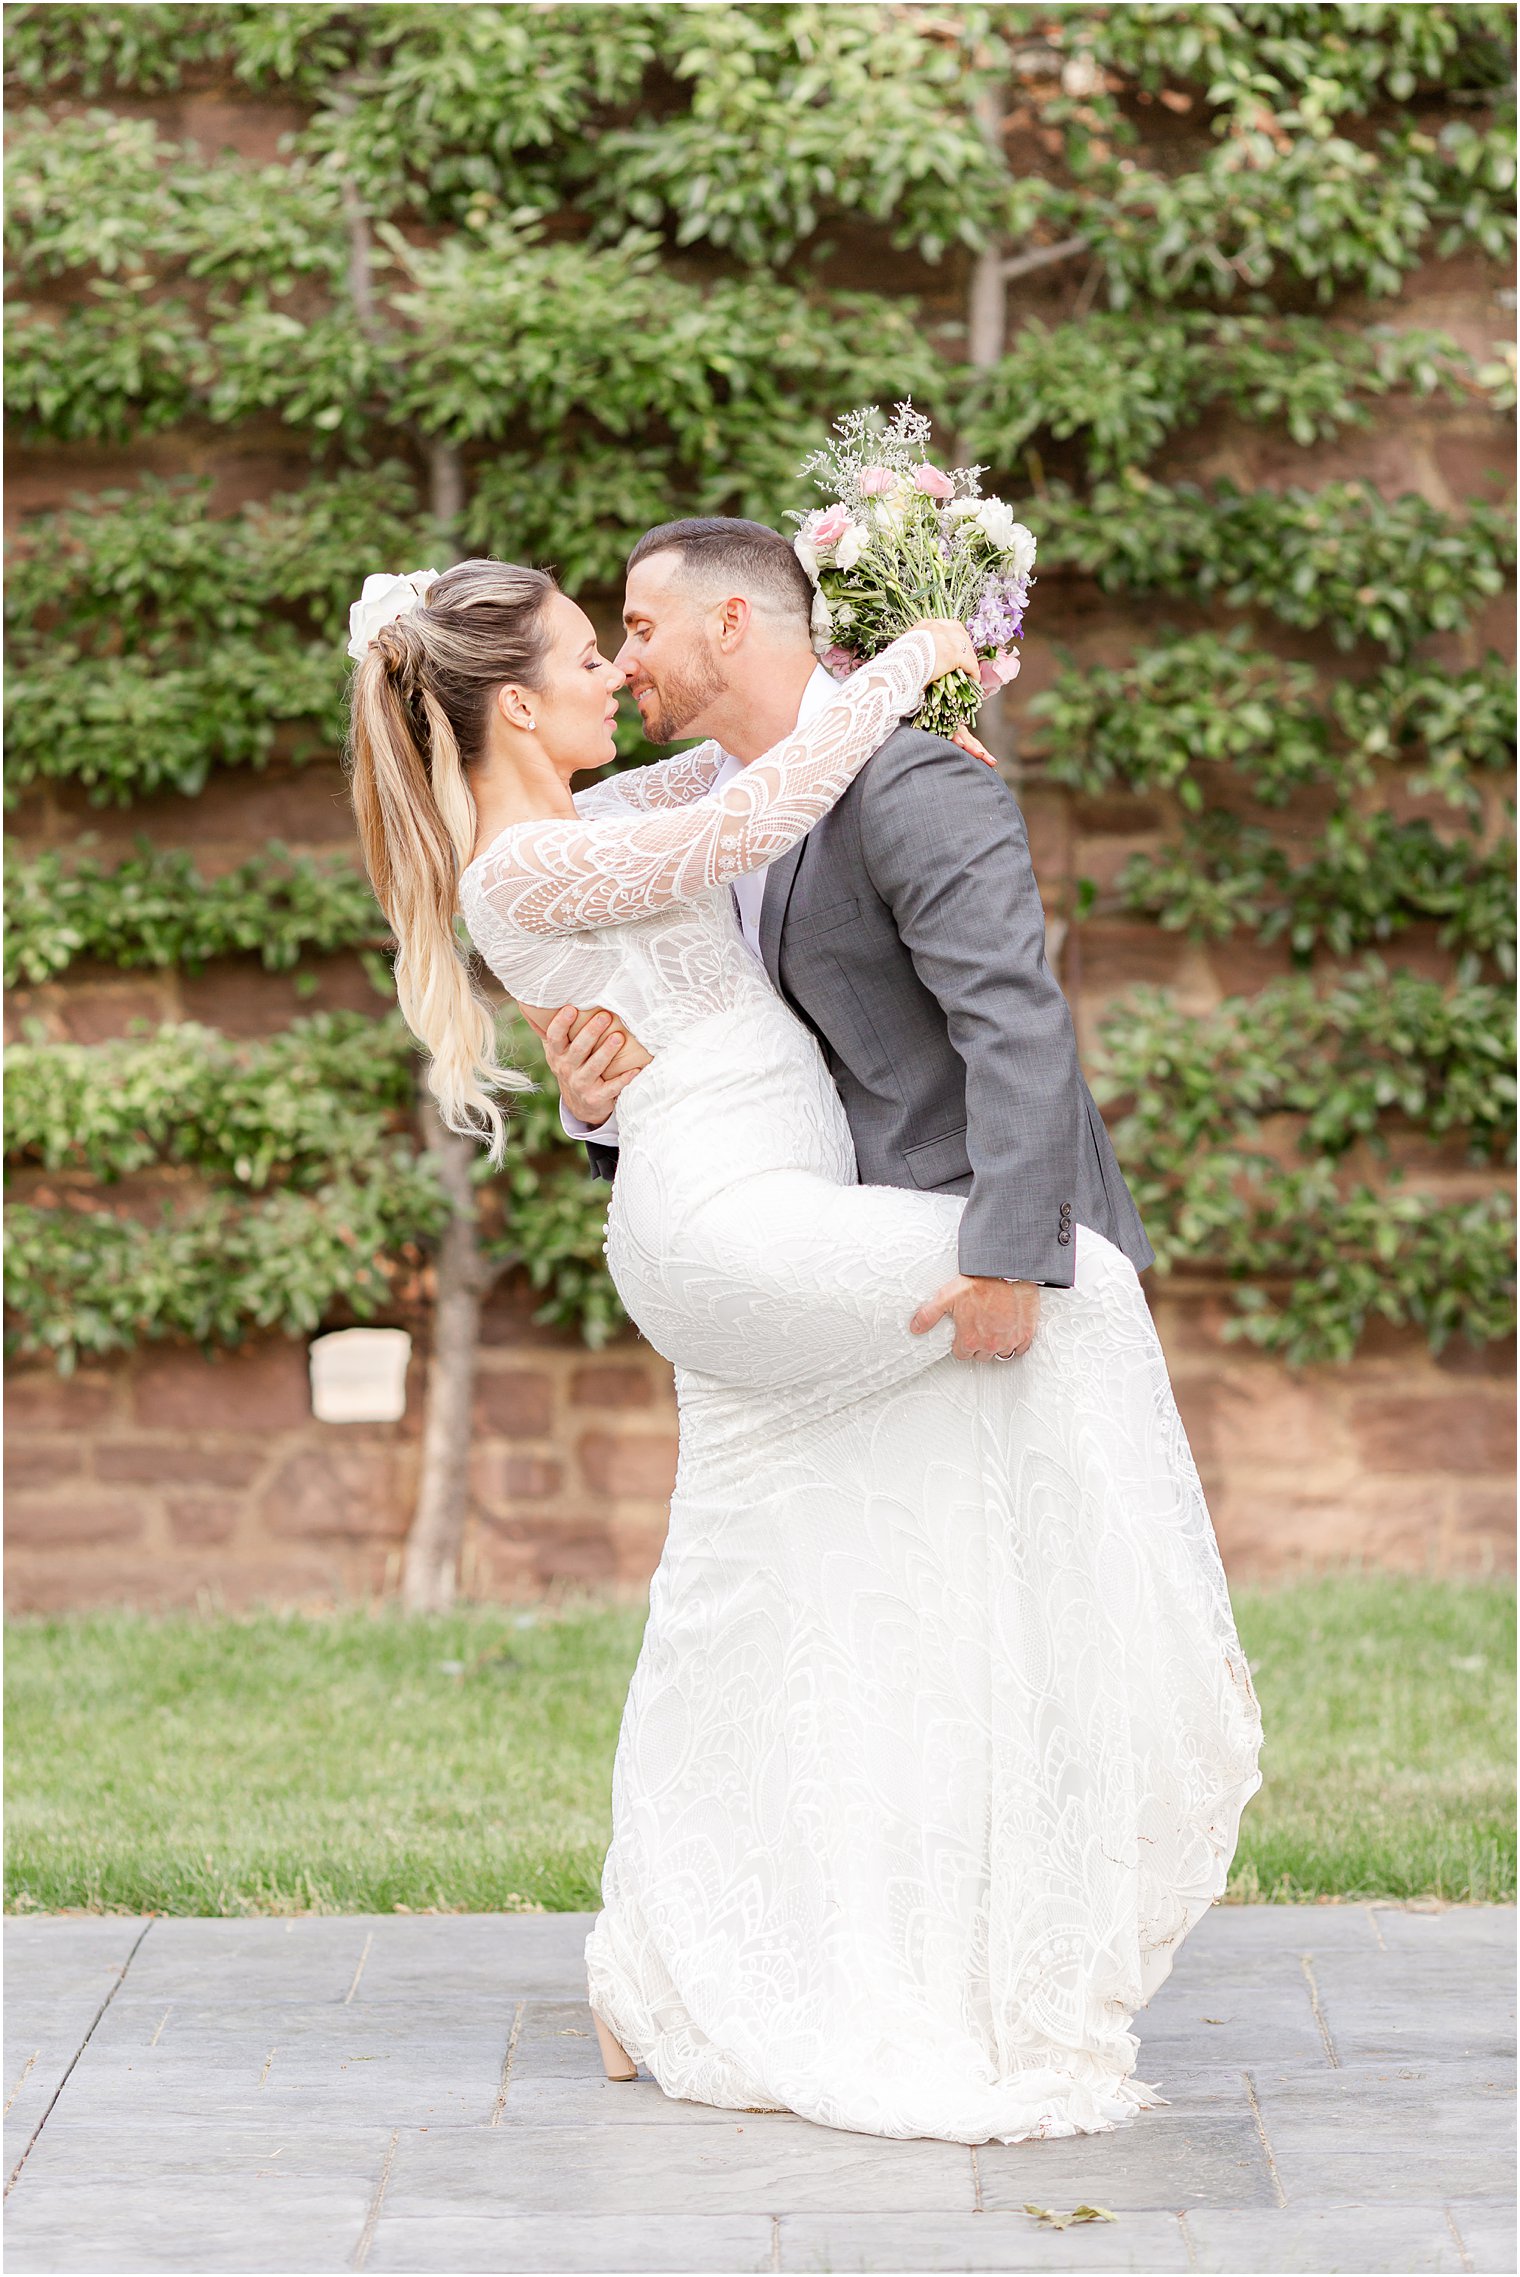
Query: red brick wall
point(172, 1480)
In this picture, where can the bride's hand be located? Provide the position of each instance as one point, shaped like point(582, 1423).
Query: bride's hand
point(953, 651)
point(968, 742)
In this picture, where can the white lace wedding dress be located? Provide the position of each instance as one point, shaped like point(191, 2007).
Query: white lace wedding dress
point(941, 1731)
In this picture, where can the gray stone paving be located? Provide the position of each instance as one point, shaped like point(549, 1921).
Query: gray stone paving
point(423, 2094)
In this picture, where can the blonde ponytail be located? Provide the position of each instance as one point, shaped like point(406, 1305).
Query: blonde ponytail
point(419, 703)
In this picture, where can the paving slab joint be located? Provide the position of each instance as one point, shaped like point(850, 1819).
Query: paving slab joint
point(1457, 2237)
point(1188, 2247)
point(1266, 2146)
point(1306, 1963)
point(359, 1971)
point(26, 2073)
point(372, 2218)
point(121, 1977)
point(500, 2105)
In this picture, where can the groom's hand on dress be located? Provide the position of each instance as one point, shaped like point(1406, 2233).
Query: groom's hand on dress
point(590, 1057)
point(994, 1320)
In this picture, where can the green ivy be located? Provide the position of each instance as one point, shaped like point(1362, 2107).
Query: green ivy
point(95, 50)
point(571, 216)
point(1127, 384)
point(155, 909)
point(800, 116)
point(129, 726)
point(103, 370)
point(1345, 1057)
point(128, 567)
point(1333, 60)
point(1255, 216)
point(1454, 724)
point(492, 332)
point(1392, 571)
point(1316, 1261)
point(292, 1109)
point(1371, 879)
point(1200, 701)
point(101, 191)
point(315, 1120)
point(1203, 702)
point(84, 1281)
point(1318, 1253)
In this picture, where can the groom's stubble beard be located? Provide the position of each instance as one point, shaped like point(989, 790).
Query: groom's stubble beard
point(684, 693)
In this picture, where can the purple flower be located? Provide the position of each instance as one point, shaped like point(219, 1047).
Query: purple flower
point(999, 614)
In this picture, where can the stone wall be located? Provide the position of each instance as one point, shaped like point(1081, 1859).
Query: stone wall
point(168, 1479)
point(173, 1480)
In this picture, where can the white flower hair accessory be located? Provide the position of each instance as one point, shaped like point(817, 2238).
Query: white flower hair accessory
point(383, 599)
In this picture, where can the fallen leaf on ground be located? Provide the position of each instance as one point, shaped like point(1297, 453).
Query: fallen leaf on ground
point(1057, 2221)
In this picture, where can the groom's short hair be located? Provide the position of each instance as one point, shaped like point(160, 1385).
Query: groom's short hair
point(720, 550)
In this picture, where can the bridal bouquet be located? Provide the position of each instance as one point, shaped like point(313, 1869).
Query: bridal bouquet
point(900, 540)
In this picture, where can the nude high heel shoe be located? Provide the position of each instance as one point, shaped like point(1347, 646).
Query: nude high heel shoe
point(617, 2063)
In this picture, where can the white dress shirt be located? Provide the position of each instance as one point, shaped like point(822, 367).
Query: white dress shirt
point(748, 891)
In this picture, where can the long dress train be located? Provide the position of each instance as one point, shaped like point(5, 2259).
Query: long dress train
point(940, 1734)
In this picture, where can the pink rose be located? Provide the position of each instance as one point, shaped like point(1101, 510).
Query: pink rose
point(831, 526)
point(931, 482)
point(840, 661)
point(876, 481)
point(995, 672)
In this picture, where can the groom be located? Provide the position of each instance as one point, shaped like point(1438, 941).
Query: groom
point(905, 929)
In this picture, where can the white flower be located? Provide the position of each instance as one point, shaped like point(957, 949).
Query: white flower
point(998, 524)
point(804, 548)
point(851, 546)
point(1021, 550)
point(888, 513)
point(966, 509)
point(384, 598)
point(1009, 537)
point(822, 620)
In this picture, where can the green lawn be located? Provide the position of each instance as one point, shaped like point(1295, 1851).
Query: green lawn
point(363, 1762)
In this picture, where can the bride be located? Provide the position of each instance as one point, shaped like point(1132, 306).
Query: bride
point(940, 1733)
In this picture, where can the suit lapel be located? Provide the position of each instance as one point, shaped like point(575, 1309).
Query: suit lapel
point(780, 878)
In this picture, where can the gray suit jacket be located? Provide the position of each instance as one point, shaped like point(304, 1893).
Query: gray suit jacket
point(907, 931)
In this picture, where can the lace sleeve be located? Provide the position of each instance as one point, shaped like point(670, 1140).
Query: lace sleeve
point(676, 781)
point(560, 877)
